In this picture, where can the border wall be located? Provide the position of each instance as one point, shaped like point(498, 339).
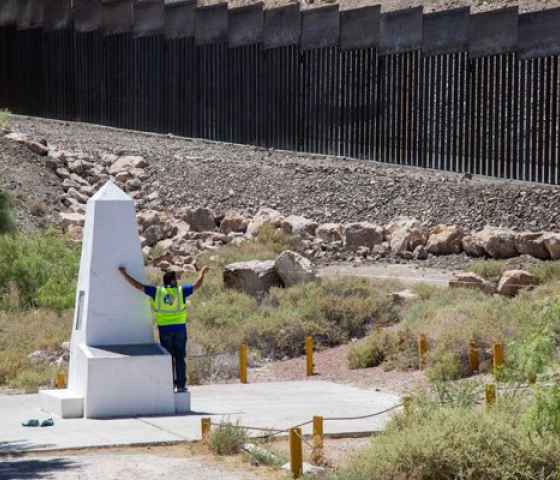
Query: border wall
point(451, 90)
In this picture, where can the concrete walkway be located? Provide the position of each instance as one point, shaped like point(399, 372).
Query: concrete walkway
point(404, 273)
point(270, 405)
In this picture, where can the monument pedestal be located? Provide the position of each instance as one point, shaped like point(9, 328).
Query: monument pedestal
point(119, 380)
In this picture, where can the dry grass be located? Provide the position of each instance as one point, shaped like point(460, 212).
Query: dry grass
point(24, 332)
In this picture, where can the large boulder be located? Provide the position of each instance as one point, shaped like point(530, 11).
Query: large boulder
point(472, 246)
point(294, 268)
point(471, 280)
point(254, 277)
point(68, 219)
point(529, 243)
point(265, 216)
point(514, 280)
point(552, 244)
point(127, 163)
point(298, 225)
point(201, 219)
point(497, 242)
point(233, 222)
point(362, 234)
point(405, 234)
point(147, 218)
point(445, 240)
point(330, 232)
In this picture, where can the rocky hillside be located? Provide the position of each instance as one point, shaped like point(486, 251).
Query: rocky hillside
point(34, 190)
point(191, 173)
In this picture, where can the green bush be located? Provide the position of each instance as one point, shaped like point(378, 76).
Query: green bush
point(7, 223)
point(444, 366)
point(43, 268)
point(392, 349)
point(443, 443)
point(4, 115)
point(367, 353)
point(543, 413)
point(331, 311)
point(227, 438)
point(489, 269)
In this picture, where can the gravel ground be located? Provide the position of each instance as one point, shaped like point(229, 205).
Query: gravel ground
point(34, 190)
point(331, 365)
point(327, 189)
point(171, 462)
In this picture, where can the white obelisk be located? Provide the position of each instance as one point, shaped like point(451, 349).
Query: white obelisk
point(116, 368)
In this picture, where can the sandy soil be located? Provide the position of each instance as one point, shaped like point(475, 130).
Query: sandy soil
point(331, 365)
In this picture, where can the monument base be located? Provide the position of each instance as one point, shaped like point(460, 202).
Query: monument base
point(63, 403)
point(182, 403)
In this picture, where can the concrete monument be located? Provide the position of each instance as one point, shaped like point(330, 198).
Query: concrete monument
point(116, 368)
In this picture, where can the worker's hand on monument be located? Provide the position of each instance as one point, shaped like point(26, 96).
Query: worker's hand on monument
point(204, 270)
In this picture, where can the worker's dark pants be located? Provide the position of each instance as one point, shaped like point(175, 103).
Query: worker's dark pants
point(175, 343)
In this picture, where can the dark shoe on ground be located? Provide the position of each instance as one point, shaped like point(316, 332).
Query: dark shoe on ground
point(181, 390)
point(33, 422)
point(49, 422)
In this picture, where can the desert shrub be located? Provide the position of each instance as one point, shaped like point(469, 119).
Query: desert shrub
point(42, 266)
point(489, 269)
point(227, 438)
point(444, 366)
point(4, 115)
point(7, 223)
point(331, 311)
point(543, 414)
point(276, 239)
point(546, 271)
point(533, 350)
point(367, 353)
point(392, 349)
point(31, 378)
point(442, 443)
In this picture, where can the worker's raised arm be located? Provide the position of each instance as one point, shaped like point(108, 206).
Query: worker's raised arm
point(200, 280)
point(132, 281)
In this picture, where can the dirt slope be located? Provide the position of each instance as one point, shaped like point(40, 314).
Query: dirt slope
point(34, 190)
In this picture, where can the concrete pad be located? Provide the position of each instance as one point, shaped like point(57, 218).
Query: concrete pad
point(269, 405)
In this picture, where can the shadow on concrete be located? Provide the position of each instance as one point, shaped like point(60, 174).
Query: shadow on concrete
point(16, 465)
point(15, 448)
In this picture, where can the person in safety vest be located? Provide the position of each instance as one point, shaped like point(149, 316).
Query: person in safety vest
point(169, 307)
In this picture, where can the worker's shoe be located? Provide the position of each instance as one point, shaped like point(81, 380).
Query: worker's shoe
point(181, 390)
point(49, 422)
point(31, 423)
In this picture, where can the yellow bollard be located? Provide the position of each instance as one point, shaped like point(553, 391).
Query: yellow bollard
point(422, 351)
point(296, 452)
point(490, 394)
point(474, 357)
point(309, 356)
point(317, 454)
point(498, 357)
point(60, 381)
point(243, 361)
point(205, 426)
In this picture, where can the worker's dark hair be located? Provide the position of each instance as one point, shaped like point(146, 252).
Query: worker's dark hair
point(169, 278)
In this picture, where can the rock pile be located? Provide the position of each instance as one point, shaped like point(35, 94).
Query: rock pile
point(172, 238)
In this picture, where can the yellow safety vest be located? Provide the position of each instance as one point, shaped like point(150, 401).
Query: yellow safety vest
point(169, 306)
